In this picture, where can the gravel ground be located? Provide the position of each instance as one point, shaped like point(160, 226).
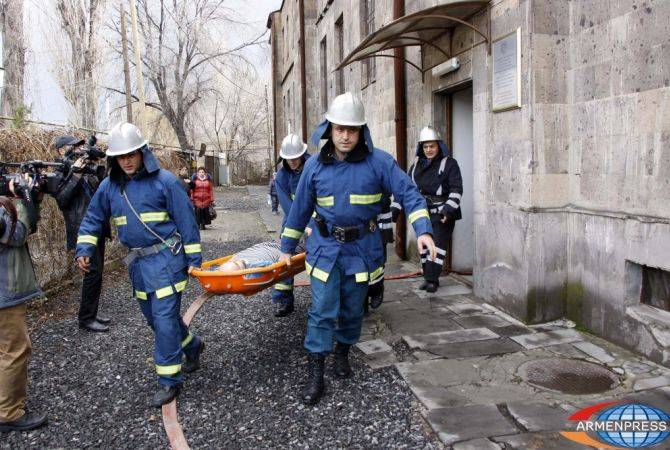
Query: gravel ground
point(96, 387)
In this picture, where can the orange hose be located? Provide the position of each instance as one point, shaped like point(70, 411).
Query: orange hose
point(175, 433)
point(400, 276)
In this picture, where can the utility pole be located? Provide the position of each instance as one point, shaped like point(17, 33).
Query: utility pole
point(142, 122)
point(271, 152)
point(126, 66)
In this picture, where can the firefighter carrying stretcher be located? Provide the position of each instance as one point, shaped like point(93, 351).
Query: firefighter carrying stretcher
point(156, 221)
point(344, 184)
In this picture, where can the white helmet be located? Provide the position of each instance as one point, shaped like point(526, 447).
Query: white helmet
point(124, 138)
point(346, 109)
point(428, 134)
point(292, 147)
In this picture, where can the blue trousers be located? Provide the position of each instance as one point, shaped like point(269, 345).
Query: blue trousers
point(172, 339)
point(282, 294)
point(336, 311)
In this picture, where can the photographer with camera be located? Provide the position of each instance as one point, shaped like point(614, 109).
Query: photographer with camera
point(18, 219)
point(81, 178)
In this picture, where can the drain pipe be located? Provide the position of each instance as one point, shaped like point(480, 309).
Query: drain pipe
point(400, 126)
point(273, 43)
point(303, 76)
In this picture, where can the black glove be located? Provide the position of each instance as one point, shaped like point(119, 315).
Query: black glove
point(376, 294)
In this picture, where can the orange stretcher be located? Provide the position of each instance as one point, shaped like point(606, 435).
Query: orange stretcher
point(248, 281)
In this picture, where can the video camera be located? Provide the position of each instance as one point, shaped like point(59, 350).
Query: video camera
point(46, 182)
point(90, 153)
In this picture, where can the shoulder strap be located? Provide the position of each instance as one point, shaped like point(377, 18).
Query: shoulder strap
point(163, 241)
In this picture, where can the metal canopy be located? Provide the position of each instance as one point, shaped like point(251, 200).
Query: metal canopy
point(420, 28)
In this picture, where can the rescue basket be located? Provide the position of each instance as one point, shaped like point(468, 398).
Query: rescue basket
point(248, 281)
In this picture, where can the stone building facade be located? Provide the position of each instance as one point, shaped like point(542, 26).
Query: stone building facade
point(569, 195)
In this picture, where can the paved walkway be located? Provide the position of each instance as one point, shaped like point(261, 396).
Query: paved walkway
point(468, 364)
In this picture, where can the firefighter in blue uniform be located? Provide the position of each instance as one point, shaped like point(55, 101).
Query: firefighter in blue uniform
point(155, 220)
point(439, 180)
point(294, 154)
point(344, 186)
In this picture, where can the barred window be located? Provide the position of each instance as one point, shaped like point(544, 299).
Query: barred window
point(368, 26)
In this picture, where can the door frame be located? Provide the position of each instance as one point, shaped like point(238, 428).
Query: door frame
point(443, 112)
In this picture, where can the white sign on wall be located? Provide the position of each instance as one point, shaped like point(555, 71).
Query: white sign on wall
point(506, 91)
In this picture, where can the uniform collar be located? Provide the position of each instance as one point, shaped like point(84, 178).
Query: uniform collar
point(327, 154)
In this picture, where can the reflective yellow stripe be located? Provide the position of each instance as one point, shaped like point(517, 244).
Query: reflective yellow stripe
point(361, 277)
point(290, 232)
point(416, 215)
point(187, 340)
point(168, 370)
point(164, 292)
point(325, 201)
point(154, 216)
point(364, 199)
point(314, 214)
point(317, 273)
point(283, 287)
point(292, 196)
point(377, 273)
point(87, 239)
point(141, 295)
point(181, 285)
point(121, 220)
point(193, 248)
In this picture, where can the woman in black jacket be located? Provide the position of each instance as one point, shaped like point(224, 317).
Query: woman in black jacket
point(438, 178)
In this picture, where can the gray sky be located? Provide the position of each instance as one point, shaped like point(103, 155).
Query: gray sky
point(42, 90)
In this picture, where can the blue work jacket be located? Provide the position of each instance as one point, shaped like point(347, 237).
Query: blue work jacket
point(349, 193)
point(163, 206)
point(287, 184)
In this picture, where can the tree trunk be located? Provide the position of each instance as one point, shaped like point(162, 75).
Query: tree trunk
point(14, 53)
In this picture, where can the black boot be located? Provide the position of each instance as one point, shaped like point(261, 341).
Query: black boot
point(423, 286)
point(94, 326)
point(342, 367)
point(431, 287)
point(314, 388)
point(164, 395)
point(26, 422)
point(285, 310)
point(193, 364)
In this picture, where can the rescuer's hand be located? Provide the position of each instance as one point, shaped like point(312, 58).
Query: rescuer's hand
point(84, 263)
point(285, 257)
point(425, 242)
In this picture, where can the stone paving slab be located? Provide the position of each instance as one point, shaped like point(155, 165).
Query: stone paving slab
point(548, 338)
point(422, 341)
point(373, 346)
point(511, 330)
point(477, 444)
point(566, 351)
point(412, 321)
point(594, 351)
point(482, 320)
point(466, 309)
point(446, 291)
point(475, 348)
point(469, 422)
point(541, 416)
point(539, 441)
point(381, 359)
point(651, 383)
point(443, 383)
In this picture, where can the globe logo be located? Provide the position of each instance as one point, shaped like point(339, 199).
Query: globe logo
point(633, 425)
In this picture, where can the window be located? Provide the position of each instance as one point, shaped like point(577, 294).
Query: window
point(368, 26)
point(324, 74)
point(339, 43)
point(655, 288)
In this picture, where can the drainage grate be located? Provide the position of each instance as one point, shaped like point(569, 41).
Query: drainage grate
point(570, 376)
